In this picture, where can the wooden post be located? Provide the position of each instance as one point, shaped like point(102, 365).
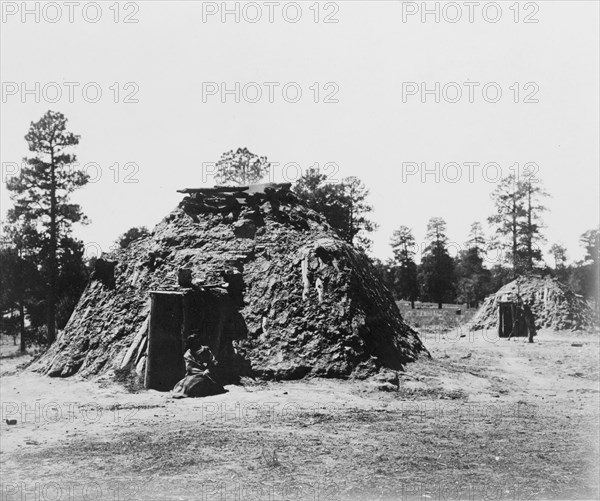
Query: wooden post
point(513, 320)
point(500, 318)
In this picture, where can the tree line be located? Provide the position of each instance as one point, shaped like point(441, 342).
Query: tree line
point(44, 270)
point(466, 278)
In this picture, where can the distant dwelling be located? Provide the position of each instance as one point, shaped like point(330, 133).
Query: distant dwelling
point(552, 304)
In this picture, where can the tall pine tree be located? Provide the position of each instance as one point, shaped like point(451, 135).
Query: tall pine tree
point(473, 279)
point(437, 266)
point(41, 200)
point(532, 193)
point(508, 201)
point(406, 279)
point(518, 220)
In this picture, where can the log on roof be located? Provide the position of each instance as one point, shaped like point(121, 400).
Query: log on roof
point(253, 188)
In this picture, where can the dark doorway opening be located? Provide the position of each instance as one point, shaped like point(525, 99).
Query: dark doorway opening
point(211, 315)
point(164, 363)
point(511, 320)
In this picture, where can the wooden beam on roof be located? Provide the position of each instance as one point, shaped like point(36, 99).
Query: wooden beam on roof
point(253, 188)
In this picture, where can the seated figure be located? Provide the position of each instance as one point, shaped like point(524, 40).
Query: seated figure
point(200, 370)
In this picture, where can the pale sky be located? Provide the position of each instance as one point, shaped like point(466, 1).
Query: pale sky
point(364, 61)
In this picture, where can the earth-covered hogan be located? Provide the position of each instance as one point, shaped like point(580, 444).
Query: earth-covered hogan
point(281, 294)
point(552, 303)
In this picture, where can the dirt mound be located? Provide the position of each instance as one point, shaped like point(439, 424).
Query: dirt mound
point(309, 302)
point(554, 305)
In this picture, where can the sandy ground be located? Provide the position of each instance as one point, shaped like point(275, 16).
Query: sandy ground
point(483, 419)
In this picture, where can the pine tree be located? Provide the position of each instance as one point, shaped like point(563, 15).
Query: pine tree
point(41, 200)
point(559, 253)
point(473, 279)
point(530, 230)
point(508, 199)
point(406, 280)
point(476, 238)
point(437, 266)
point(344, 205)
point(132, 234)
point(518, 220)
point(358, 225)
point(241, 167)
point(18, 282)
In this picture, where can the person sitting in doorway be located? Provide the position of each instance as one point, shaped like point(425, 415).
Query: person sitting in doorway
point(201, 372)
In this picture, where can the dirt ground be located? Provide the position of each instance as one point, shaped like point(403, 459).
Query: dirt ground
point(483, 419)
